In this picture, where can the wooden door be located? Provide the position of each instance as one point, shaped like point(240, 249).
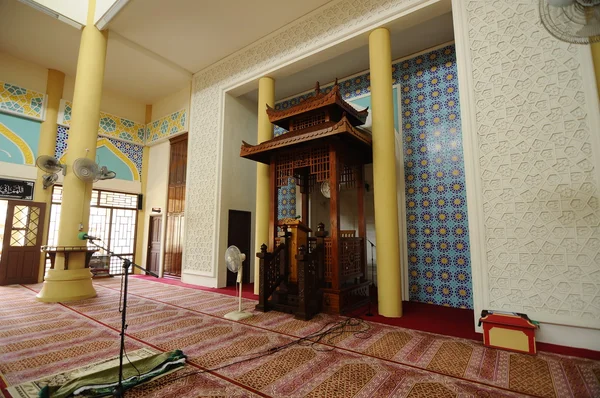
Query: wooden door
point(175, 206)
point(238, 234)
point(154, 234)
point(20, 261)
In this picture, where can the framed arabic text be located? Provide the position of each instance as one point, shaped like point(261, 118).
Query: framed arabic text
point(15, 189)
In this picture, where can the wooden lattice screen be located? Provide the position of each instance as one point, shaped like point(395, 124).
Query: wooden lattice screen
point(316, 159)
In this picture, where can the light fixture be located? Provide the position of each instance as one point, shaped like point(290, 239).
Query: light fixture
point(52, 13)
point(110, 13)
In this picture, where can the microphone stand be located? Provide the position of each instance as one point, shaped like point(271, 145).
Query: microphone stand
point(119, 391)
point(369, 313)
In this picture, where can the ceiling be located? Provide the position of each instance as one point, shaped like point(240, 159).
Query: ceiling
point(195, 34)
point(153, 49)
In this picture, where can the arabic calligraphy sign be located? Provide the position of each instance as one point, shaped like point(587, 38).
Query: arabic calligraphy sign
point(14, 189)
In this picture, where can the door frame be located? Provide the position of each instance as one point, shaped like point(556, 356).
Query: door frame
point(8, 227)
point(149, 248)
point(246, 271)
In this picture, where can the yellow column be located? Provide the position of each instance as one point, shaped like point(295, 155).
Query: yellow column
point(596, 57)
point(266, 96)
point(47, 145)
point(75, 281)
point(141, 220)
point(384, 175)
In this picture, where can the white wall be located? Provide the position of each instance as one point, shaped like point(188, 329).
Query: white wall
point(238, 183)
point(22, 73)
point(114, 103)
point(172, 103)
point(156, 194)
point(530, 119)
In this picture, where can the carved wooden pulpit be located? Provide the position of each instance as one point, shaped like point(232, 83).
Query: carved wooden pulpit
point(298, 236)
point(323, 146)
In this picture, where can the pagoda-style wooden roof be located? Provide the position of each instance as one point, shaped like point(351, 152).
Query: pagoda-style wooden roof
point(332, 100)
point(343, 130)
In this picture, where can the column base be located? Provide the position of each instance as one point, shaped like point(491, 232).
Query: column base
point(70, 285)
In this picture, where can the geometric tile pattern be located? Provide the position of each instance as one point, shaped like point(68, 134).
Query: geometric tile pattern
point(539, 183)
point(351, 369)
point(436, 213)
point(19, 100)
point(110, 125)
point(129, 152)
point(166, 126)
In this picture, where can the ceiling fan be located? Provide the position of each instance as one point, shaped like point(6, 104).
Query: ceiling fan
point(572, 21)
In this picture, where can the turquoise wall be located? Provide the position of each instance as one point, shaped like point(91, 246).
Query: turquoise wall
point(28, 131)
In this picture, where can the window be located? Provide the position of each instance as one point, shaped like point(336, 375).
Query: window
point(113, 218)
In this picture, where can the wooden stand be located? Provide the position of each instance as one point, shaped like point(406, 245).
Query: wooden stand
point(298, 233)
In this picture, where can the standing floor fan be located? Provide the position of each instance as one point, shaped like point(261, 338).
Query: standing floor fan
point(234, 259)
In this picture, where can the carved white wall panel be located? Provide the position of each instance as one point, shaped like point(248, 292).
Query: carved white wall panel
point(538, 180)
point(315, 31)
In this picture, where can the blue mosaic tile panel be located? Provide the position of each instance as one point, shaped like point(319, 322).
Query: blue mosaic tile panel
point(286, 199)
point(112, 126)
point(19, 100)
point(62, 135)
point(166, 126)
point(437, 225)
point(128, 150)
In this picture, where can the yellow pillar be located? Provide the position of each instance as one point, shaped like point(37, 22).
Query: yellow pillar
point(47, 145)
point(75, 281)
point(141, 220)
point(266, 96)
point(384, 175)
point(596, 58)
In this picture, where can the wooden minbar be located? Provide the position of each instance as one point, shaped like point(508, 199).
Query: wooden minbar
point(298, 236)
point(323, 150)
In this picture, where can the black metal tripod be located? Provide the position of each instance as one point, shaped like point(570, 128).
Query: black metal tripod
point(369, 313)
point(119, 390)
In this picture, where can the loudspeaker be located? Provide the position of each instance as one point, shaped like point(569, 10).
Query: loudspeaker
point(140, 201)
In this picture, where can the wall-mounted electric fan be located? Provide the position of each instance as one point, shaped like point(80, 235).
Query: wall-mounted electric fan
point(234, 259)
point(572, 21)
point(51, 166)
point(88, 171)
point(49, 179)
point(106, 174)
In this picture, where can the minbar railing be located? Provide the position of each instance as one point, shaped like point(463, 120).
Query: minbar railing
point(273, 270)
point(351, 259)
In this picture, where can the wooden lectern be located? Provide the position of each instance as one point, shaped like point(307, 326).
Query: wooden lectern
point(298, 232)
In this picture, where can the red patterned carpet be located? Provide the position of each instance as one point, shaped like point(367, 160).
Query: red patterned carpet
point(37, 340)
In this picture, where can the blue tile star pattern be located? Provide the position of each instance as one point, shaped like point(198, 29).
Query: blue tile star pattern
point(132, 151)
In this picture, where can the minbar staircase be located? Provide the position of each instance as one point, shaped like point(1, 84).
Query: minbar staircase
point(302, 298)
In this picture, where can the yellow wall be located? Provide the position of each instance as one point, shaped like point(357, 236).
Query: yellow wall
point(172, 103)
point(23, 73)
point(116, 104)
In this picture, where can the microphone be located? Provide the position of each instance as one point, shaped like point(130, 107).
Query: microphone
point(85, 236)
point(372, 244)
